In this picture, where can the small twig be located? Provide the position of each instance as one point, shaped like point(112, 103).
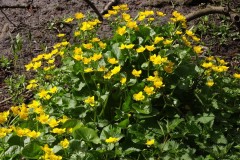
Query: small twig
point(7, 18)
point(6, 100)
point(108, 6)
point(100, 17)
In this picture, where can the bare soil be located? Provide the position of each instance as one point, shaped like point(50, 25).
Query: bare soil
point(40, 21)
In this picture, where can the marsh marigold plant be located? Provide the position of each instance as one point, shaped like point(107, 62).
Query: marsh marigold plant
point(146, 92)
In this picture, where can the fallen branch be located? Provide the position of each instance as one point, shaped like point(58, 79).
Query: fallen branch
point(17, 6)
point(215, 10)
point(100, 17)
point(7, 99)
point(207, 11)
point(109, 6)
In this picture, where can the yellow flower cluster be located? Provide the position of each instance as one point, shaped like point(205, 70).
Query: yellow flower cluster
point(44, 94)
point(89, 25)
point(21, 111)
point(216, 65)
point(4, 131)
point(177, 17)
point(32, 84)
point(112, 72)
point(21, 132)
point(158, 60)
point(116, 10)
point(49, 154)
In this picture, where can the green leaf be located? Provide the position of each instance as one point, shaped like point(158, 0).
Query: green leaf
point(131, 82)
point(13, 151)
point(80, 86)
point(87, 134)
point(32, 150)
point(206, 118)
point(175, 123)
point(116, 50)
point(15, 140)
point(72, 103)
point(71, 123)
point(143, 109)
point(131, 150)
point(126, 105)
point(124, 123)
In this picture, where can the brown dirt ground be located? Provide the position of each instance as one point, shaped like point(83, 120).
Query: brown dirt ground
point(39, 24)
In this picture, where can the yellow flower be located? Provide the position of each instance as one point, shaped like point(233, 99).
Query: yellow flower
point(141, 17)
point(53, 90)
point(64, 43)
point(197, 49)
point(43, 93)
point(77, 57)
point(112, 140)
point(53, 122)
point(112, 12)
point(64, 119)
point(59, 130)
point(36, 65)
point(43, 118)
point(88, 45)
point(140, 49)
point(79, 15)
point(61, 35)
point(64, 143)
point(123, 46)
point(158, 39)
point(102, 45)
point(121, 30)
point(15, 111)
point(123, 80)
point(112, 61)
point(158, 83)
point(123, 7)
point(149, 90)
point(33, 134)
point(139, 96)
point(90, 100)
point(150, 142)
point(150, 48)
point(207, 65)
point(96, 57)
point(22, 132)
point(129, 46)
point(132, 24)
point(77, 33)
point(106, 16)
point(126, 17)
point(87, 70)
point(161, 14)
point(195, 38)
point(23, 114)
point(29, 66)
point(157, 60)
point(178, 32)
point(236, 75)
point(108, 75)
point(166, 42)
point(68, 20)
point(136, 73)
point(116, 69)
point(169, 68)
point(95, 39)
point(189, 33)
point(86, 26)
point(86, 60)
point(210, 83)
point(4, 117)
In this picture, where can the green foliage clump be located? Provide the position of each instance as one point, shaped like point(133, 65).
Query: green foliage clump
point(145, 93)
